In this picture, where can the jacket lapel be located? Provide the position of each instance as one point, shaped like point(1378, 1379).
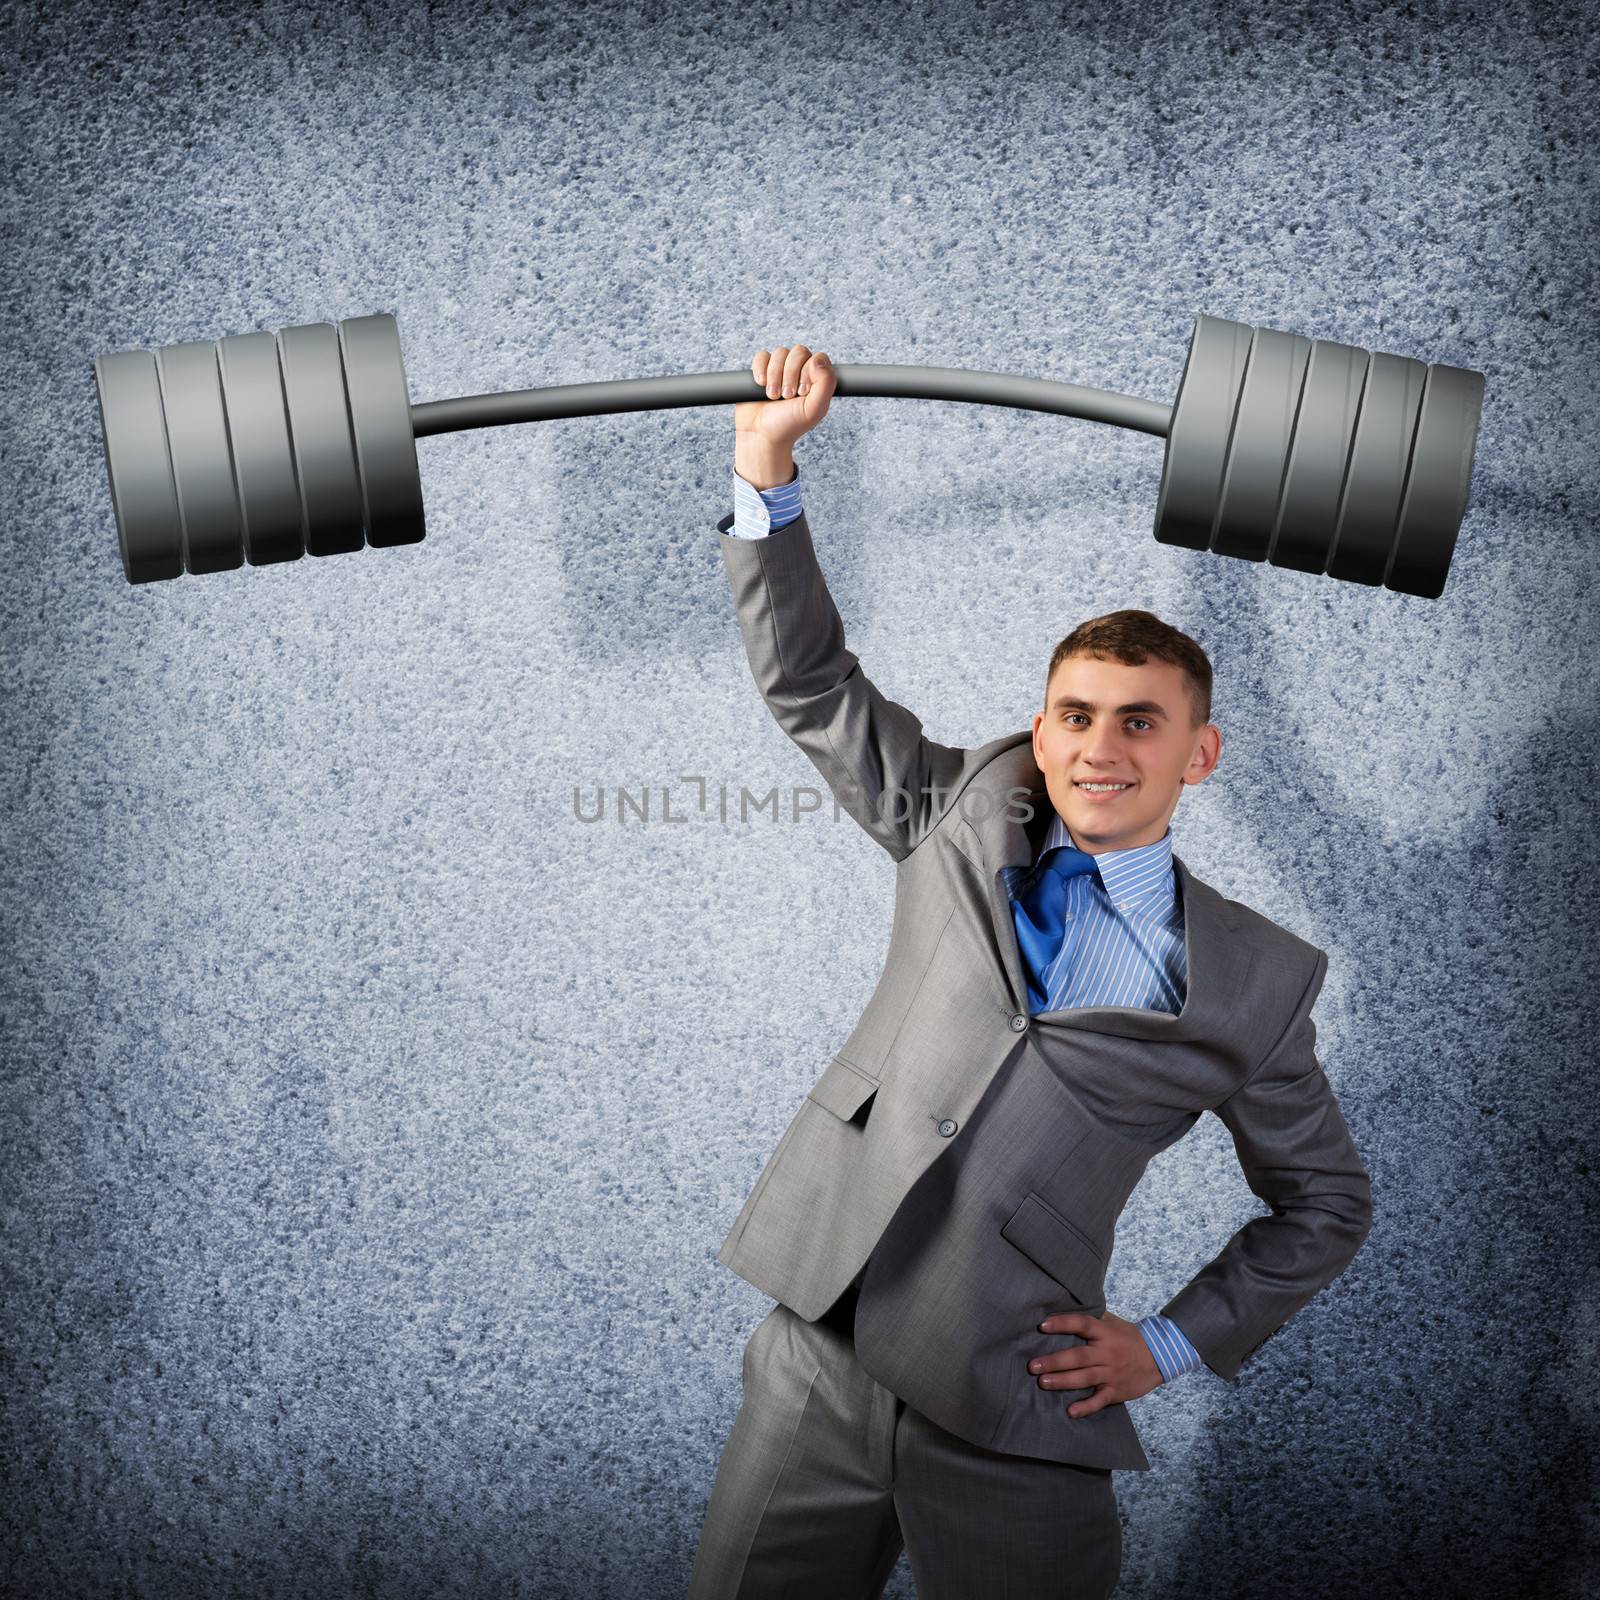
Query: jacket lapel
point(1218, 960)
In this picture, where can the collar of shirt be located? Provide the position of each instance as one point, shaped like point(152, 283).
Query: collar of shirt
point(1138, 879)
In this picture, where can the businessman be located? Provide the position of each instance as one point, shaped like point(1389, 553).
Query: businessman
point(1061, 1000)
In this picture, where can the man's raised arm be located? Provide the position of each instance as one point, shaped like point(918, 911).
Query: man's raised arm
point(871, 751)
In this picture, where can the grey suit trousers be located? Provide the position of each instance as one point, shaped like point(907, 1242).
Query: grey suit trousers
point(826, 1476)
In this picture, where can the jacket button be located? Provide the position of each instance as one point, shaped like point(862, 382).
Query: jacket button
point(1019, 1023)
point(947, 1127)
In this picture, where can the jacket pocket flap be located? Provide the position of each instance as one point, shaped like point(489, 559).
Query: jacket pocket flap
point(842, 1088)
point(1058, 1249)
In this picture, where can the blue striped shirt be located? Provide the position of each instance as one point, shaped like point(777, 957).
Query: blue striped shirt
point(1123, 940)
point(1123, 944)
point(758, 512)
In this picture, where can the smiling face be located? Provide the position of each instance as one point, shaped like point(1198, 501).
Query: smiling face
point(1105, 722)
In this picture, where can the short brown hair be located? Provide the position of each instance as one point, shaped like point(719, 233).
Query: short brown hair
point(1133, 637)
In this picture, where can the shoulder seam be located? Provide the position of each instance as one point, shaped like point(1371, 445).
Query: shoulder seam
point(939, 821)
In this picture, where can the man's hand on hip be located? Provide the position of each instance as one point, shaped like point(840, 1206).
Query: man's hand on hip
point(1114, 1361)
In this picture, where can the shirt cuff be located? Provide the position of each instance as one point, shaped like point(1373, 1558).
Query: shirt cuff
point(758, 512)
point(1173, 1353)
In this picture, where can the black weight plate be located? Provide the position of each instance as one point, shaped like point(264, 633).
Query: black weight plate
point(138, 465)
point(1197, 438)
point(1370, 511)
point(380, 416)
point(1258, 449)
point(1437, 485)
point(319, 433)
point(263, 463)
point(202, 459)
point(1313, 483)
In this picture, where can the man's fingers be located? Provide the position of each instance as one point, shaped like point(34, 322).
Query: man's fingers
point(789, 370)
point(798, 356)
point(774, 376)
point(1076, 1378)
point(1080, 1355)
point(817, 370)
point(1098, 1401)
point(1079, 1322)
point(781, 373)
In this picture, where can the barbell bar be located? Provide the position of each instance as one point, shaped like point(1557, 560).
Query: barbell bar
point(1304, 453)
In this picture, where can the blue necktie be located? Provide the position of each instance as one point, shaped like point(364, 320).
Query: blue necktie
point(1040, 915)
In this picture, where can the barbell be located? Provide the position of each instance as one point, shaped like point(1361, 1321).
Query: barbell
point(1301, 452)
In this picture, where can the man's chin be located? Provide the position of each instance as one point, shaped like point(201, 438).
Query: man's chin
point(1092, 825)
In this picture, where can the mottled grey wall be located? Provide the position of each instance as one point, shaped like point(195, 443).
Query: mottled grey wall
point(371, 1122)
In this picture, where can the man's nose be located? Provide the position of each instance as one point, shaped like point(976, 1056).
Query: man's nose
point(1102, 748)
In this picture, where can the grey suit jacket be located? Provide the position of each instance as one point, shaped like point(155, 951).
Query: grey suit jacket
point(975, 1158)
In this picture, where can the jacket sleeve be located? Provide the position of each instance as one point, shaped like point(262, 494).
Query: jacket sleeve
point(1297, 1155)
point(872, 753)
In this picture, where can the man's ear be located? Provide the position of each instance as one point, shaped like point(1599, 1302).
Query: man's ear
point(1210, 745)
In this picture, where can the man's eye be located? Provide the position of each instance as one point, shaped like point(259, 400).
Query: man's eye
point(1143, 721)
